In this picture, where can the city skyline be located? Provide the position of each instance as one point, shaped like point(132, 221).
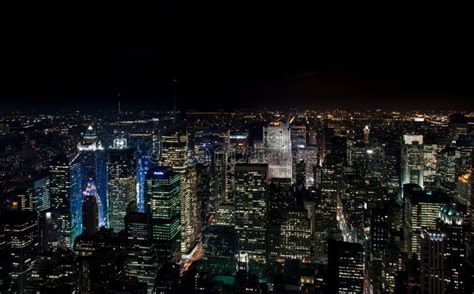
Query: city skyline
point(327, 154)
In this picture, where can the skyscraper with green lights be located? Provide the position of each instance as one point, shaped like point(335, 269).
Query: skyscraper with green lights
point(162, 194)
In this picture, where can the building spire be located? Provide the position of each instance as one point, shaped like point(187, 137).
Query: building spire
point(175, 82)
point(119, 106)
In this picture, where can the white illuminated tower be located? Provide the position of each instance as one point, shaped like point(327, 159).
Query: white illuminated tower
point(90, 141)
point(366, 134)
point(121, 183)
point(412, 160)
point(277, 143)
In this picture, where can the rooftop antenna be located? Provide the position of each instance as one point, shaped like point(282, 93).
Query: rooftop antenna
point(175, 82)
point(119, 107)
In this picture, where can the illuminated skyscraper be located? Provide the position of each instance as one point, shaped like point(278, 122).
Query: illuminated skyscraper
point(143, 164)
point(296, 236)
point(375, 163)
point(448, 158)
point(277, 141)
point(236, 152)
point(433, 246)
point(412, 160)
point(190, 217)
point(174, 151)
point(65, 180)
point(163, 193)
point(465, 179)
point(41, 193)
point(430, 153)
point(251, 209)
point(451, 224)
point(92, 160)
point(75, 198)
point(421, 209)
point(121, 183)
point(220, 174)
point(366, 134)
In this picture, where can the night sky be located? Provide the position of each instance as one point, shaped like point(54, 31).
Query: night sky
point(356, 63)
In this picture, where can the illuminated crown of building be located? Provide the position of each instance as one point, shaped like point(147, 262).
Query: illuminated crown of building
point(450, 215)
point(120, 143)
point(90, 141)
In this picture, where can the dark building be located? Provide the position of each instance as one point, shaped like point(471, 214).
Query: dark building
point(106, 266)
point(55, 272)
point(127, 286)
point(433, 246)
point(141, 255)
point(4, 262)
point(219, 241)
point(379, 238)
point(167, 279)
point(100, 259)
point(20, 231)
point(345, 267)
point(51, 237)
point(300, 175)
point(90, 215)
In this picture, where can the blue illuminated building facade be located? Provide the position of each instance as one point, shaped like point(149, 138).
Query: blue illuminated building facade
point(75, 199)
point(66, 198)
point(143, 165)
point(93, 161)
